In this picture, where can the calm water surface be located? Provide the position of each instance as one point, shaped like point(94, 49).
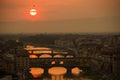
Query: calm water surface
point(58, 73)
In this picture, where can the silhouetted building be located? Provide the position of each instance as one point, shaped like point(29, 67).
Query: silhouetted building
point(22, 63)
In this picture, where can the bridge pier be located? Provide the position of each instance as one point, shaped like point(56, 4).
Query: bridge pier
point(29, 75)
point(69, 71)
point(46, 74)
point(46, 70)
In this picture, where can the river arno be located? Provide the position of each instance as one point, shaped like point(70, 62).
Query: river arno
point(58, 73)
point(54, 73)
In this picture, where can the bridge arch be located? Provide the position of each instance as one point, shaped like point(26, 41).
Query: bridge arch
point(57, 70)
point(76, 70)
point(56, 62)
point(45, 56)
point(36, 71)
point(33, 56)
point(58, 56)
point(69, 56)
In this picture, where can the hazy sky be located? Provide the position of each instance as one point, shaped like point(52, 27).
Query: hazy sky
point(59, 16)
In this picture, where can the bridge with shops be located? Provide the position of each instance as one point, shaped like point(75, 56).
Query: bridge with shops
point(65, 58)
point(60, 59)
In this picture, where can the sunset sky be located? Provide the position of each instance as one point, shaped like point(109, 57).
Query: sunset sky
point(59, 16)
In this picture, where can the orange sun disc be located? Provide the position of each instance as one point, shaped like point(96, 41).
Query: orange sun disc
point(33, 12)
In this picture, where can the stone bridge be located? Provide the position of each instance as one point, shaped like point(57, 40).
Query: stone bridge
point(58, 58)
point(68, 63)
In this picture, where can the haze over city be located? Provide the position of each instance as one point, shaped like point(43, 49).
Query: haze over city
point(59, 39)
point(59, 16)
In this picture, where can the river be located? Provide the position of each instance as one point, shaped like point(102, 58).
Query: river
point(54, 73)
point(58, 73)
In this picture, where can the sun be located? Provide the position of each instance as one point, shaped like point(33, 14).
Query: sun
point(33, 12)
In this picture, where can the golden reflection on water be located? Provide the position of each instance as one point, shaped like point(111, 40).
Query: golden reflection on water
point(76, 71)
point(54, 71)
point(57, 77)
point(57, 70)
point(33, 56)
point(45, 56)
point(36, 72)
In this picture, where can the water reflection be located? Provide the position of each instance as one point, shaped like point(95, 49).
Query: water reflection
point(33, 56)
point(36, 72)
point(57, 73)
point(57, 77)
